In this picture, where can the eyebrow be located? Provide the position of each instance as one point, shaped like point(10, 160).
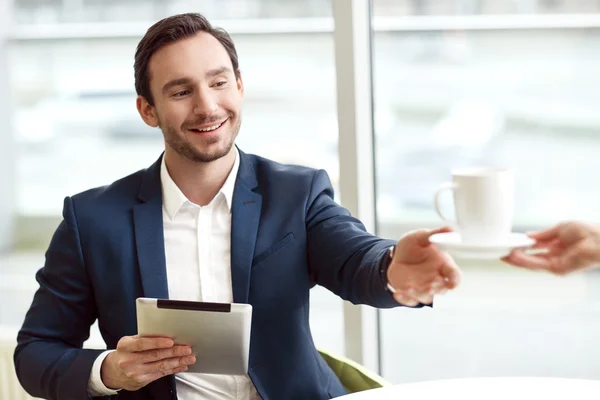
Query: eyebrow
point(186, 81)
point(217, 71)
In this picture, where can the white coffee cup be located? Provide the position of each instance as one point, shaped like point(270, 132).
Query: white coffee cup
point(483, 203)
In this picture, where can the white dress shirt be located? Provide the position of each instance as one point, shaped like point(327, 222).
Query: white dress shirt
point(198, 260)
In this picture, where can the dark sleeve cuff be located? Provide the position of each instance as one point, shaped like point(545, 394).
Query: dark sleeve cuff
point(382, 268)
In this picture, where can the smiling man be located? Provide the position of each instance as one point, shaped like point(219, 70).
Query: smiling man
point(206, 222)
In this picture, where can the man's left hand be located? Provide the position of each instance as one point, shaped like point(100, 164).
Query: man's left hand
point(419, 270)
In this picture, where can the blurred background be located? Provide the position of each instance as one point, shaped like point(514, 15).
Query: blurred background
point(455, 83)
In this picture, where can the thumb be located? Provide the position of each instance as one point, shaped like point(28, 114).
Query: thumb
point(424, 235)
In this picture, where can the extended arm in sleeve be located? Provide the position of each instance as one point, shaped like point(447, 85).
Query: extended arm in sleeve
point(342, 255)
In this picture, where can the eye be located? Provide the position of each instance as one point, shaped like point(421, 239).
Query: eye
point(220, 83)
point(182, 93)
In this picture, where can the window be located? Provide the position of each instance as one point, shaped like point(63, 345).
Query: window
point(466, 83)
point(75, 121)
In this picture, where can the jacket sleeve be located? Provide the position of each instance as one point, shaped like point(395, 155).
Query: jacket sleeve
point(49, 359)
point(342, 255)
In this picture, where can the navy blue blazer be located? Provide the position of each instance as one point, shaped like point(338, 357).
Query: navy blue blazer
point(287, 234)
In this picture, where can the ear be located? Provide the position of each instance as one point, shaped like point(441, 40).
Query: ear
point(240, 83)
point(147, 111)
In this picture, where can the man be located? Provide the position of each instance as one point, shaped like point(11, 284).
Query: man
point(206, 222)
point(565, 248)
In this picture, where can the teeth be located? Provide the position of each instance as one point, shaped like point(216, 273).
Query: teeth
point(210, 128)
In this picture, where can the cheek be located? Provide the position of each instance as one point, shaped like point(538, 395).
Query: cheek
point(230, 97)
point(234, 104)
point(173, 116)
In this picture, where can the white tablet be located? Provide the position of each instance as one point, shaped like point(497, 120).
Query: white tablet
point(219, 333)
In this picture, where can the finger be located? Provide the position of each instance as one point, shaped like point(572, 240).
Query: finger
point(149, 378)
point(544, 244)
point(546, 234)
point(548, 250)
point(405, 300)
point(134, 344)
point(451, 274)
point(417, 291)
point(547, 244)
point(519, 258)
point(427, 287)
point(438, 285)
point(433, 288)
point(425, 234)
point(425, 298)
point(161, 354)
point(168, 364)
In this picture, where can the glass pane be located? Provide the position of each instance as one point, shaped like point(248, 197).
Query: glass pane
point(387, 8)
point(73, 11)
point(522, 98)
point(77, 126)
point(77, 110)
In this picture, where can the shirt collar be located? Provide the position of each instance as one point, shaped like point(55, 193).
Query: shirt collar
point(174, 199)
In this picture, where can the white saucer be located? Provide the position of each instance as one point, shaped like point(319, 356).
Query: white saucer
point(452, 243)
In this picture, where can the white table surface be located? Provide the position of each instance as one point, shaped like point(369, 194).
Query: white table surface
point(488, 389)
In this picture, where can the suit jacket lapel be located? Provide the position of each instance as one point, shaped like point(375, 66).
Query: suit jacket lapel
point(245, 218)
point(149, 236)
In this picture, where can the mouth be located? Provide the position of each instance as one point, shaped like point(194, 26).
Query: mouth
point(208, 130)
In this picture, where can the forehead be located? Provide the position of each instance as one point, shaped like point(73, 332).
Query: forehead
point(189, 57)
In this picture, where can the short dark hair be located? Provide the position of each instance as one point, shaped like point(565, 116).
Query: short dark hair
point(169, 30)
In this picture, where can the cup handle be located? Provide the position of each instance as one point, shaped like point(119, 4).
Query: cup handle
point(441, 189)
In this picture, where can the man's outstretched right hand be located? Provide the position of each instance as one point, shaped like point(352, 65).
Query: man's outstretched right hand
point(138, 361)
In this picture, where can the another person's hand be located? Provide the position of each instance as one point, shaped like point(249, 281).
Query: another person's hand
point(567, 247)
point(419, 270)
point(139, 361)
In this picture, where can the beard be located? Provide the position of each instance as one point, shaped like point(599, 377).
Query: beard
point(179, 143)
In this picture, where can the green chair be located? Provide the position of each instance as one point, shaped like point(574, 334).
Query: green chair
point(354, 377)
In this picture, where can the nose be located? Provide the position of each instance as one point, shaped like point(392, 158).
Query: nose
point(204, 105)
